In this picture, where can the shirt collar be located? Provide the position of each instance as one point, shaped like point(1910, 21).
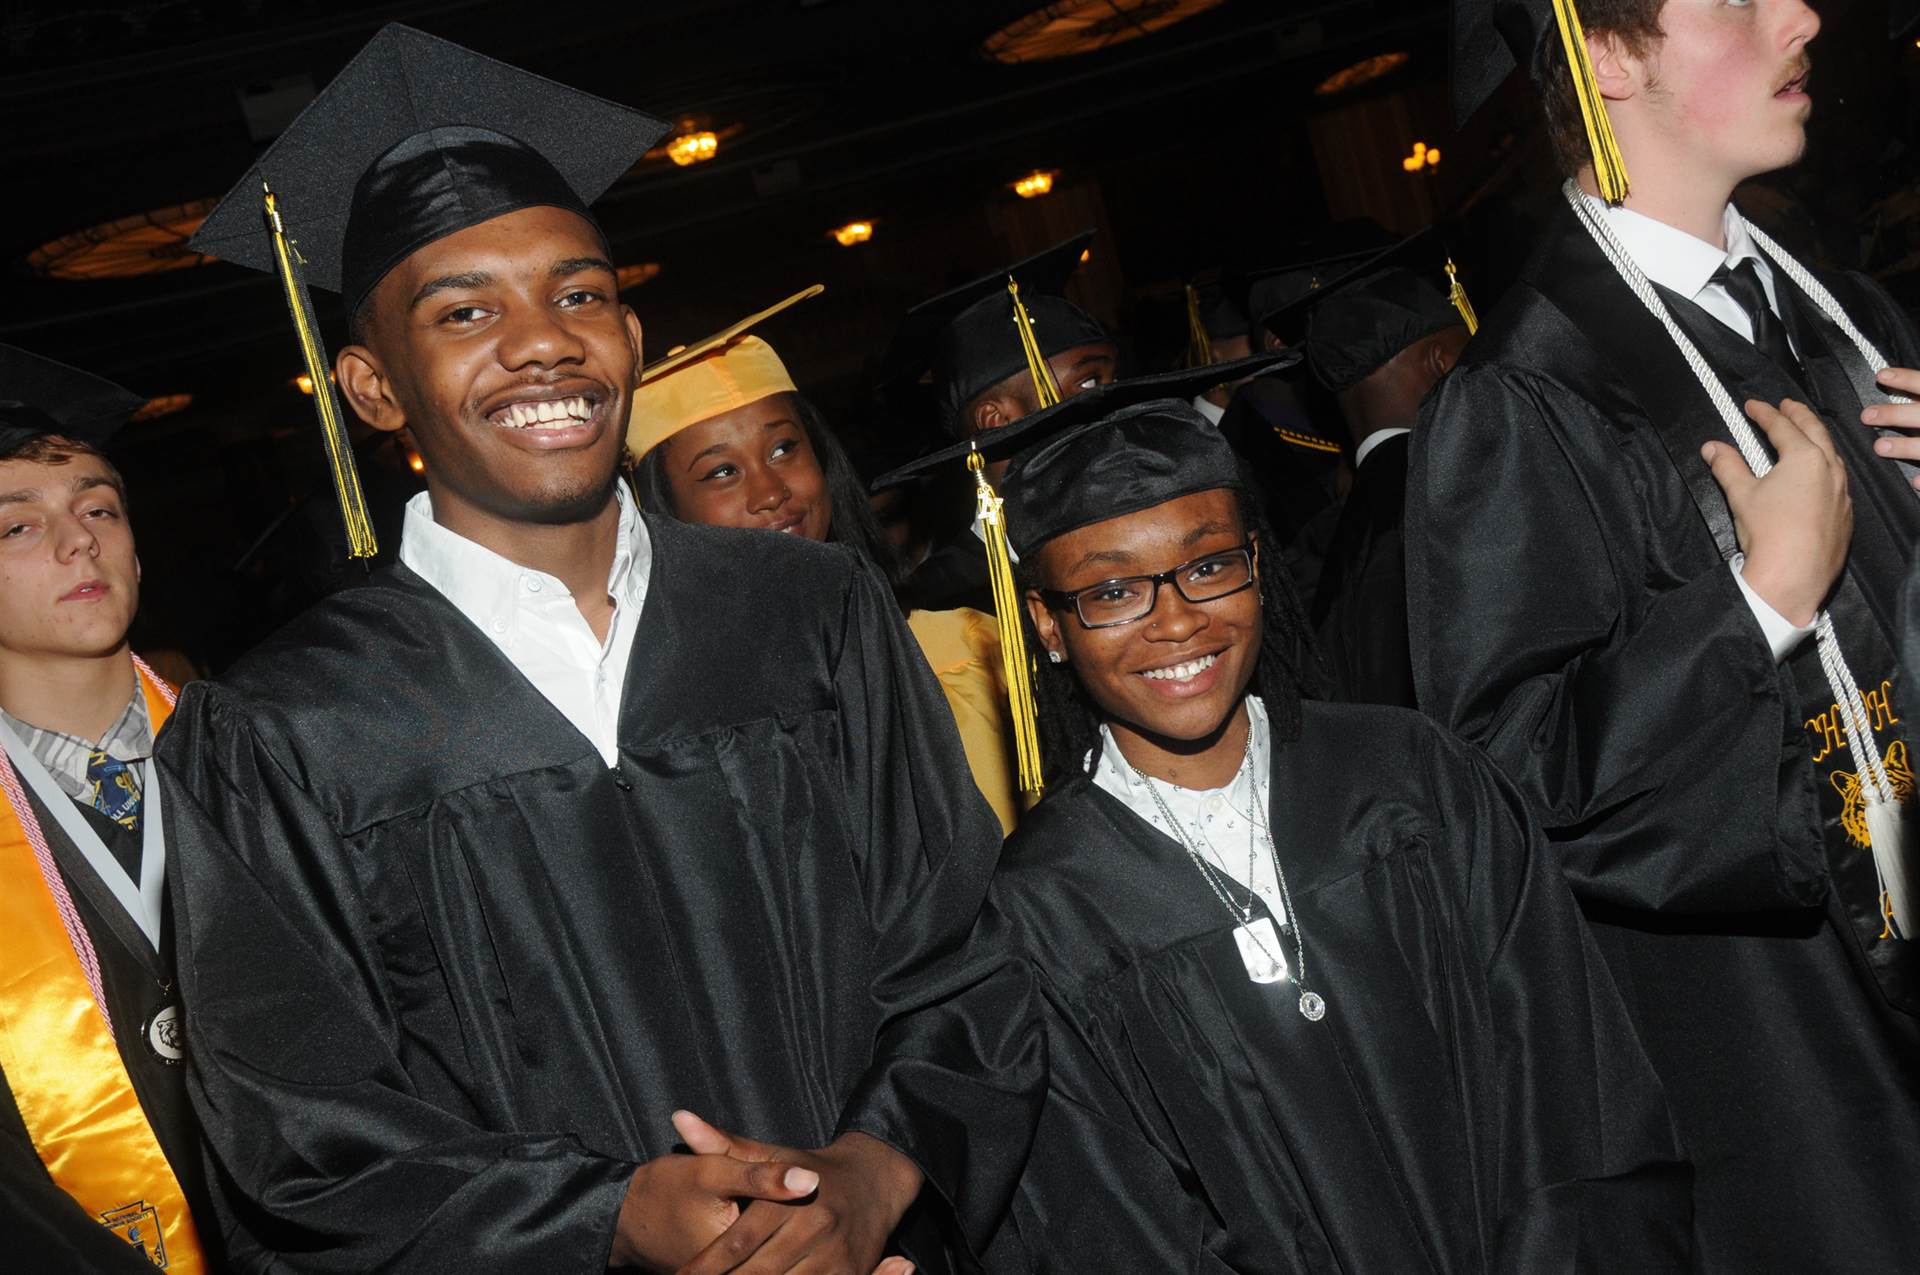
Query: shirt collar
point(1208, 408)
point(1113, 773)
point(1372, 441)
point(483, 584)
point(1673, 258)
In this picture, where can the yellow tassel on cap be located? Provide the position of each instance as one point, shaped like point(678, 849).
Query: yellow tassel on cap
point(1013, 646)
point(1199, 346)
point(1044, 389)
point(1457, 293)
point(333, 432)
point(1609, 167)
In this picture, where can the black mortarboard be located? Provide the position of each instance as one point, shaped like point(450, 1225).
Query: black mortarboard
point(39, 396)
point(1271, 291)
point(415, 139)
point(1222, 316)
point(968, 337)
point(1055, 498)
point(1359, 321)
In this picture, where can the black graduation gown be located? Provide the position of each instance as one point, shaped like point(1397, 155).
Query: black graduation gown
point(1360, 611)
point(447, 974)
point(1569, 608)
point(46, 1229)
point(1473, 1100)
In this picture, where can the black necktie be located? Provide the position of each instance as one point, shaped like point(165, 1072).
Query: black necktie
point(1742, 283)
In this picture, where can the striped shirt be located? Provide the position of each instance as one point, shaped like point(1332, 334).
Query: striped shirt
point(129, 739)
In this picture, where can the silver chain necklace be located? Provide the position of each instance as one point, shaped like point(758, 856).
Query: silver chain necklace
point(1312, 1006)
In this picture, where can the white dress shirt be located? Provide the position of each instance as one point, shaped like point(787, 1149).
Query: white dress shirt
point(1207, 408)
point(1683, 264)
point(533, 619)
point(1216, 821)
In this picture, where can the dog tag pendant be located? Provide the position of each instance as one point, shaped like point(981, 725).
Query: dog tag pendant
point(1260, 951)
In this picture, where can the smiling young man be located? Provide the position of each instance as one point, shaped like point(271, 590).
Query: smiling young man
point(100, 1164)
point(1315, 997)
point(1603, 594)
point(579, 821)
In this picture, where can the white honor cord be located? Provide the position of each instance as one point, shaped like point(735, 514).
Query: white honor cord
point(1846, 692)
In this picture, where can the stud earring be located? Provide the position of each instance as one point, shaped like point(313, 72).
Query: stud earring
point(1054, 657)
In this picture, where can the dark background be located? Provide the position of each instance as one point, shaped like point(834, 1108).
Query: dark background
point(1204, 143)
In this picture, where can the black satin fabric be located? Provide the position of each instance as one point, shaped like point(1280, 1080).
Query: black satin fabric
point(45, 1229)
point(1143, 455)
point(1473, 1100)
point(447, 974)
point(1360, 610)
point(438, 181)
point(1569, 609)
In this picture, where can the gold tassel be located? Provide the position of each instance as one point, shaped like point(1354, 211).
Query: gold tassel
point(346, 478)
point(1199, 347)
point(1609, 167)
point(1457, 293)
point(1045, 391)
point(1013, 646)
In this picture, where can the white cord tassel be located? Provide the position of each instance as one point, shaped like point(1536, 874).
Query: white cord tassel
point(1882, 804)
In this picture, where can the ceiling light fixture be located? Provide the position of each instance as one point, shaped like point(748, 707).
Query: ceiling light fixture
point(689, 149)
point(145, 243)
point(1034, 184)
point(634, 275)
point(1365, 71)
point(1068, 27)
point(165, 405)
point(854, 232)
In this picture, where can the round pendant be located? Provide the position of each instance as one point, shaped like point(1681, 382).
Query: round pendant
point(165, 1035)
point(1312, 1008)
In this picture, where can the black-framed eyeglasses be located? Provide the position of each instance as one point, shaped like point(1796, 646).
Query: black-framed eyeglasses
point(1125, 599)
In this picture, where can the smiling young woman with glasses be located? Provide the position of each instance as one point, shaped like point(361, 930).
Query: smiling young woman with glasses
point(1312, 995)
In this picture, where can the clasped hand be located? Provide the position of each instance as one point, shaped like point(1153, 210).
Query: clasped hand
point(760, 1209)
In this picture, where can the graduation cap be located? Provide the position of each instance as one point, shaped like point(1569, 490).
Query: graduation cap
point(1491, 37)
point(415, 139)
point(717, 374)
point(1214, 313)
point(1107, 489)
point(1002, 323)
point(39, 397)
point(1270, 292)
point(1359, 320)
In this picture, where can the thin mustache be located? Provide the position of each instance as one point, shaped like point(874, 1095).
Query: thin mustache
point(1801, 69)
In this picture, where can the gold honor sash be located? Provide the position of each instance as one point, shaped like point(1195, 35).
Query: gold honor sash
point(63, 1066)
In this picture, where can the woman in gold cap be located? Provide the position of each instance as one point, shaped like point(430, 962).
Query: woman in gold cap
point(721, 436)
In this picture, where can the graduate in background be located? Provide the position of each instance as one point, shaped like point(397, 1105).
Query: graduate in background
point(1379, 338)
point(1218, 331)
point(100, 1164)
point(969, 341)
point(724, 438)
point(1316, 997)
point(497, 869)
point(1604, 595)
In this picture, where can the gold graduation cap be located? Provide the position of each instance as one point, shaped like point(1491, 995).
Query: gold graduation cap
point(715, 374)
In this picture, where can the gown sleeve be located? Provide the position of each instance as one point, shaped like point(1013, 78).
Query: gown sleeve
point(1580, 1168)
point(958, 1063)
point(326, 1152)
point(1651, 733)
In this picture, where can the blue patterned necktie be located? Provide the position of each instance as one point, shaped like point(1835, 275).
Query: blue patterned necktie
point(114, 792)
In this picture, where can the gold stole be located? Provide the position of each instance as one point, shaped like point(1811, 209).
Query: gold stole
point(65, 1071)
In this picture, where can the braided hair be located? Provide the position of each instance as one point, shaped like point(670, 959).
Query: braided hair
point(1288, 669)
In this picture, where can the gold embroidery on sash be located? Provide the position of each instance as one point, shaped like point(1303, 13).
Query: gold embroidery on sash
point(1853, 802)
point(1830, 730)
